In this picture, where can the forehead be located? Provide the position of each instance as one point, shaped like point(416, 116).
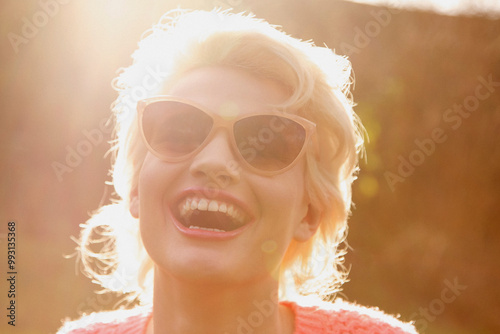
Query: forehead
point(218, 88)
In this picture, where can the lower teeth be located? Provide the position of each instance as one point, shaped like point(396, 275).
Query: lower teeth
point(205, 228)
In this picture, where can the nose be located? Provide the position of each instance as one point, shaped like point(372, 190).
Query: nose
point(216, 163)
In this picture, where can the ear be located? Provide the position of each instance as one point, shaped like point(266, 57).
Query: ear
point(309, 224)
point(133, 203)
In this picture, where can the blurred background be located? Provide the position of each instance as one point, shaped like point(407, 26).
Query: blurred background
point(425, 230)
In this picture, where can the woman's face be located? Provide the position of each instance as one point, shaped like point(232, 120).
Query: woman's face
point(268, 211)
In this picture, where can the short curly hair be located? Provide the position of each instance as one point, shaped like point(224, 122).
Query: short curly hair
point(319, 84)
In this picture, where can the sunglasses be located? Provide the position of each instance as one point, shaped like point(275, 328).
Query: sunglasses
point(267, 143)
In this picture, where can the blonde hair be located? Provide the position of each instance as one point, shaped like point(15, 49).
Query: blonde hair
point(319, 83)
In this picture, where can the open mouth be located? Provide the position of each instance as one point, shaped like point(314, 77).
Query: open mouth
point(211, 215)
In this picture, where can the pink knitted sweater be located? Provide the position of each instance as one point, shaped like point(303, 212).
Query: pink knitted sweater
point(339, 318)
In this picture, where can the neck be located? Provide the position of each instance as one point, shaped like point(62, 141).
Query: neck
point(194, 308)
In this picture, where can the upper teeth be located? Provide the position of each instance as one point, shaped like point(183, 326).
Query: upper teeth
point(188, 206)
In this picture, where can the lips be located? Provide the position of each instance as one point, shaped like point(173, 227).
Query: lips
point(222, 215)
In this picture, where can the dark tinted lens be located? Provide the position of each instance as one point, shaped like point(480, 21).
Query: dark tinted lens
point(174, 129)
point(269, 142)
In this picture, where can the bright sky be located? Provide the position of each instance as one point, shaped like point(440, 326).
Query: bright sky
point(449, 7)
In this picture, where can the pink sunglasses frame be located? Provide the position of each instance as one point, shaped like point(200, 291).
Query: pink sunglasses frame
point(228, 125)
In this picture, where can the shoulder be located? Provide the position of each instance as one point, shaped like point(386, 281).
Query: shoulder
point(344, 317)
point(120, 321)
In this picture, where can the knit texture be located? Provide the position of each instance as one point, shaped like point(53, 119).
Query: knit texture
point(346, 318)
point(133, 321)
point(337, 318)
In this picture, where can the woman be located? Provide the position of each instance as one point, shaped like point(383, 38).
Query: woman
point(234, 176)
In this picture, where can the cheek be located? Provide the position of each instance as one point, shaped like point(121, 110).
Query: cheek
point(149, 201)
point(149, 176)
point(283, 208)
point(285, 195)
point(155, 179)
point(150, 180)
point(291, 189)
